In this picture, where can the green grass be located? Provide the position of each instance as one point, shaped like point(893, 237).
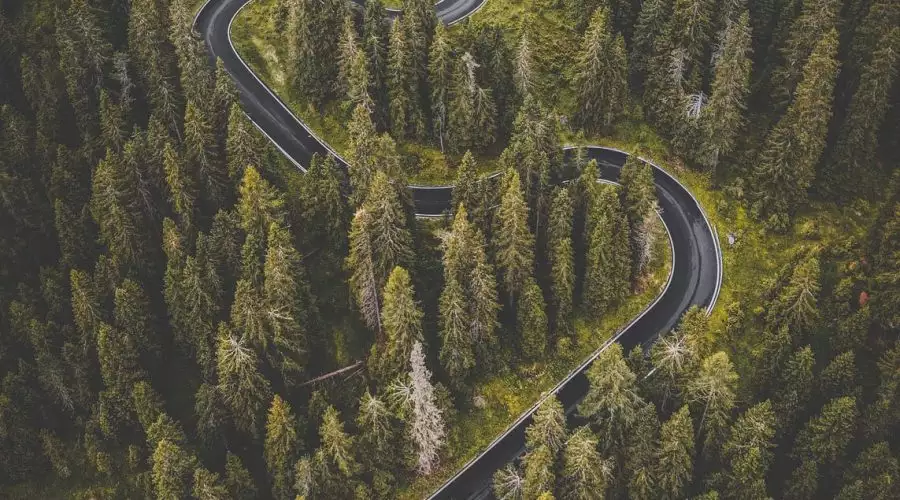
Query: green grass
point(509, 394)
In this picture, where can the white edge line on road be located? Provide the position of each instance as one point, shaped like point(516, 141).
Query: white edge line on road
point(274, 96)
point(575, 371)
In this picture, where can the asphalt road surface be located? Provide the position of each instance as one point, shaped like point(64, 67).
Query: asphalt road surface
point(696, 271)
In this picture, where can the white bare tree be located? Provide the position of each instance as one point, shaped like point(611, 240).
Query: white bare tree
point(524, 70)
point(508, 483)
point(427, 426)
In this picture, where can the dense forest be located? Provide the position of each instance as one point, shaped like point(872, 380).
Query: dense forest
point(185, 315)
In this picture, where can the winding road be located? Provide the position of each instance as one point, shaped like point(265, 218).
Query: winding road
point(695, 277)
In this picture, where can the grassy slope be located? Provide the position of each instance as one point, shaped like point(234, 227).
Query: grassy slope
point(508, 394)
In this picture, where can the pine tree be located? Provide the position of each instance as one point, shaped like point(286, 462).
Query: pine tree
point(287, 303)
point(611, 402)
point(259, 204)
point(182, 192)
point(457, 354)
point(120, 222)
point(548, 427)
point(825, 437)
point(202, 150)
point(690, 32)
point(513, 240)
point(244, 390)
point(336, 449)
point(238, 480)
point(363, 274)
point(713, 387)
point(363, 145)
point(586, 472)
point(323, 207)
point(440, 66)
point(747, 453)
point(472, 112)
point(562, 262)
point(539, 472)
point(640, 204)
point(377, 432)
point(608, 263)
point(465, 189)
point(650, 27)
point(797, 304)
point(839, 377)
point(402, 322)
point(531, 320)
point(508, 483)
point(280, 449)
point(601, 75)
point(243, 143)
point(374, 43)
point(390, 237)
point(722, 119)
point(816, 18)
point(857, 141)
point(794, 389)
point(792, 148)
point(407, 118)
point(172, 470)
point(675, 456)
point(640, 454)
point(314, 30)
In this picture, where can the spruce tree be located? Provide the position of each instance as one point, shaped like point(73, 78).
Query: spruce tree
point(531, 320)
point(562, 262)
point(649, 28)
point(722, 119)
point(281, 447)
point(586, 472)
point(611, 402)
point(243, 388)
point(513, 240)
point(601, 75)
point(287, 304)
point(548, 427)
point(540, 475)
point(440, 66)
point(817, 17)
point(825, 437)
point(402, 322)
point(847, 167)
point(786, 166)
point(472, 112)
point(640, 454)
point(675, 455)
point(407, 118)
point(747, 453)
point(390, 236)
point(363, 273)
point(640, 203)
point(202, 150)
point(182, 191)
point(374, 43)
point(608, 264)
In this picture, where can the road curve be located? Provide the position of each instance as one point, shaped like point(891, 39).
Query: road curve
point(695, 278)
